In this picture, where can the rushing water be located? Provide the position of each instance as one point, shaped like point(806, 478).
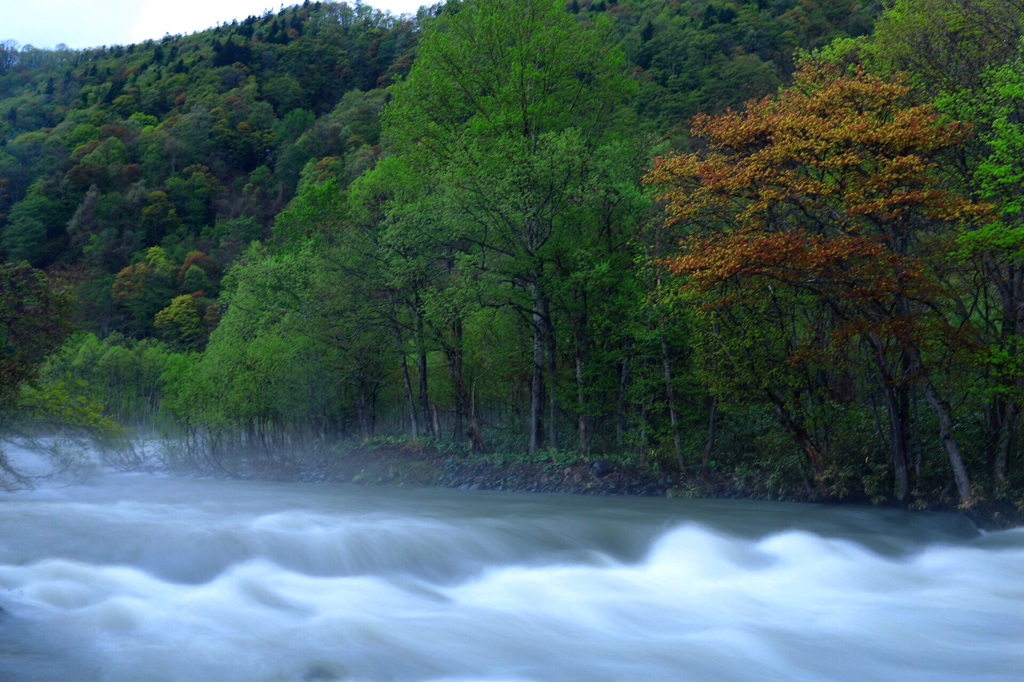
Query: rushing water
point(145, 578)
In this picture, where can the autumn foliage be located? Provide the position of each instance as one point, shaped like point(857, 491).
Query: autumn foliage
point(818, 215)
point(843, 151)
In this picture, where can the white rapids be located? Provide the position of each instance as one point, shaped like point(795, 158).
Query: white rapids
point(148, 578)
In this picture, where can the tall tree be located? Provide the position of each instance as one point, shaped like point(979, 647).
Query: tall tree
point(506, 112)
point(967, 55)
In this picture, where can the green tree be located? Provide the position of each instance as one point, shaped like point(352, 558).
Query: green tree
point(507, 111)
point(34, 319)
point(35, 226)
point(968, 56)
point(142, 289)
point(295, 352)
point(181, 323)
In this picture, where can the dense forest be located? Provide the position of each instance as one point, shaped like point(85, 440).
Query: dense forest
point(778, 241)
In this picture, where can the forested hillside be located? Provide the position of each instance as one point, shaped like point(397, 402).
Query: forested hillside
point(191, 144)
point(776, 242)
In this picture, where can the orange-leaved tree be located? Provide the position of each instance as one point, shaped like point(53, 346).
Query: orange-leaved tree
point(812, 226)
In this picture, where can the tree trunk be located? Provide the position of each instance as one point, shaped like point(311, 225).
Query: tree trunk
point(581, 397)
point(670, 399)
point(437, 420)
point(949, 444)
point(709, 444)
point(641, 444)
point(429, 427)
point(804, 440)
point(364, 419)
point(1006, 443)
point(942, 410)
point(552, 367)
point(453, 353)
point(476, 441)
point(900, 440)
point(410, 400)
point(620, 410)
point(465, 419)
point(581, 342)
point(897, 419)
point(407, 380)
point(537, 383)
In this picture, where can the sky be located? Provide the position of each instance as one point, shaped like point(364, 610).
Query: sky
point(90, 23)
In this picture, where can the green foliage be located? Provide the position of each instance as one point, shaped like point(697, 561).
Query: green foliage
point(947, 46)
point(341, 224)
point(527, 172)
point(996, 107)
point(108, 152)
point(195, 280)
point(30, 234)
point(290, 346)
point(497, 70)
point(698, 56)
point(181, 322)
point(34, 319)
point(968, 56)
point(56, 406)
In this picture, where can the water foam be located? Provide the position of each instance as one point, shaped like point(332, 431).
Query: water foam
point(217, 580)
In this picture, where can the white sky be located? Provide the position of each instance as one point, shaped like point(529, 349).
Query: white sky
point(91, 23)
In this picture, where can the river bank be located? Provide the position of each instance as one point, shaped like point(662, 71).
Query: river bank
point(417, 465)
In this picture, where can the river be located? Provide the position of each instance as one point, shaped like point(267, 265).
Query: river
point(146, 578)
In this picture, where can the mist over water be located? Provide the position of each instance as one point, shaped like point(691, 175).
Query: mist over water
point(132, 577)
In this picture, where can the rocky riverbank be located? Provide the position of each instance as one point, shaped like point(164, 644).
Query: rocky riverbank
point(411, 464)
